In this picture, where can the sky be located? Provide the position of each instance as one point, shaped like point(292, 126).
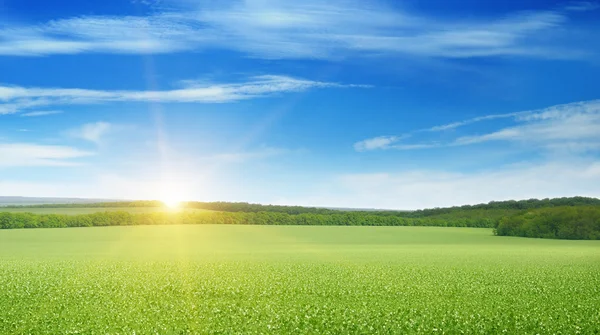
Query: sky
point(368, 104)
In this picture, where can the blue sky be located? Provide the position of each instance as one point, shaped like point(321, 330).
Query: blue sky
point(381, 104)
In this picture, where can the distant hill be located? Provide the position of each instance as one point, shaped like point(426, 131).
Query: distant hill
point(29, 201)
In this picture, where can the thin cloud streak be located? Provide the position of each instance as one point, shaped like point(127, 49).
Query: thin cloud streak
point(573, 125)
point(458, 124)
point(28, 154)
point(14, 99)
point(40, 113)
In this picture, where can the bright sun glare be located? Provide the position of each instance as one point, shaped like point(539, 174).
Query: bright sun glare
point(172, 195)
point(171, 203)
point(172, 200)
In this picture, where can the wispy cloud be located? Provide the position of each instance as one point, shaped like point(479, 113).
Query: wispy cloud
point(306, 29)
point(458, 124)
point(574, 126)
point(582, 6)
point(17, 105)
point(433, 188)
point(27, 154)
point(93, 132)
point(377, 143)
point(438, 187)
point(14, 99)
point(236, 157)
point(40, 113)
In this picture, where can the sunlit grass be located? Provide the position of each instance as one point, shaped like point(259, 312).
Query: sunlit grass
point(300, 280)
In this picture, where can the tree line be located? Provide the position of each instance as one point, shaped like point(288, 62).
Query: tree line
point(567, 222)
point(122, 218)
point(510, 206)
point(574, 223)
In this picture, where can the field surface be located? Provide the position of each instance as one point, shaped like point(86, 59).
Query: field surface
point(219, 279)
point(90, 210)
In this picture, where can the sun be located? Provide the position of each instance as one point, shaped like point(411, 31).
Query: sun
point(172, 195)
point(172, 203)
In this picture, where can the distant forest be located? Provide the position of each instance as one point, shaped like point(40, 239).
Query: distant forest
point(575, 223)
point(253, 208)
point(120, 218)
point(568, 218)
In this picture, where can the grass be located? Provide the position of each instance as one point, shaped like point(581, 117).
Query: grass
point(219, 279)
point(89, 210)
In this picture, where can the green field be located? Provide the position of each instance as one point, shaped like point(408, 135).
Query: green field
point(220, 279)
point(89, 210)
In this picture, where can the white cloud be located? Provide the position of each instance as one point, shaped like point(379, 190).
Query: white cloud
point(93, 132)
point(381, 142)
point(27, 154)
point(291, 29)
point(40, 113)
point(575, 125)
point(14, 99)
point(439, 188)
point(107, 186)
point(176, 173)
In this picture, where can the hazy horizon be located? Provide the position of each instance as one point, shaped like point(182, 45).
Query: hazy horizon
point(32, 201)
